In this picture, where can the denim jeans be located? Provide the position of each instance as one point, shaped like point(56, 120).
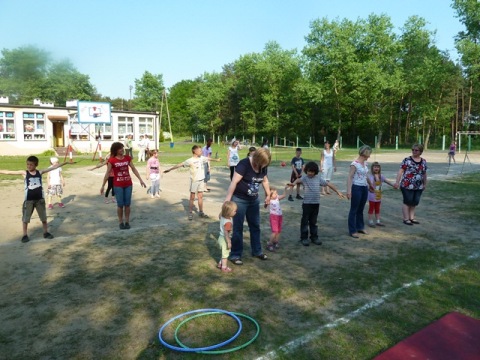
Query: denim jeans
point(357, 204)
point(123, 195)
point(251, 210)
point(309, 221)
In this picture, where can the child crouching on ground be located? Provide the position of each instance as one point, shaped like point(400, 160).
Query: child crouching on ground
point(276, 218)
point(311, 202)
point(229, 209)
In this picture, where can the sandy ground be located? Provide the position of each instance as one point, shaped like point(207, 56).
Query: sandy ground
point(86, 212)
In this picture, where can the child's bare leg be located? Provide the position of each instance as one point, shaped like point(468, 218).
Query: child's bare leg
point(200, 201)
point(224, 262)
point(192, 199)
point(298, 189)
point(49, 199)
point(25, 227)
point(45, 227)
point(272, 239)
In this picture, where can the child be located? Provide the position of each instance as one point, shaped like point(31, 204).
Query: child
point(153, 173)
point(276, 218)
point(197, 174)
point(251, 150)
point(311, 202)
point(55, 182)
point(229, 209)
point(109, 182)
point(232, 157)
point(451, 152)
point(207, 152)
point(375, 196)
point(34, 198)
point(297, 167)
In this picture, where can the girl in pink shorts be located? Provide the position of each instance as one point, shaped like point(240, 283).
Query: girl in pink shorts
point(276, 218)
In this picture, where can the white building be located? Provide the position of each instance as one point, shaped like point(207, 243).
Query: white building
point(26, 130)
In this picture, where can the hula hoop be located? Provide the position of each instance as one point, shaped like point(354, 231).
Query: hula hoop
point(219, 351)
point(205, 348)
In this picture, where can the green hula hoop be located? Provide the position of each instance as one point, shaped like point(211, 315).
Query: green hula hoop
point(219, 351)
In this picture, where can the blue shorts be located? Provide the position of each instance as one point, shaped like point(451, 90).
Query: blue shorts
point(411, 197)
point(123, 195)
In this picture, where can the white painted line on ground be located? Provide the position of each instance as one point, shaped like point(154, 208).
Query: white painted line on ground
point(294, 344)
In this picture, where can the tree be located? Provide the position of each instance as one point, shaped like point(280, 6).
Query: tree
point(148, 92)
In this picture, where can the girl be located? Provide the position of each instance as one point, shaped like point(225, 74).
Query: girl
point(451, 152)
point(122, 182)
point(232, 157)
point(110, 180)
point(153, 173)
point(276, 218)
point(229, 209)
point(375, 196)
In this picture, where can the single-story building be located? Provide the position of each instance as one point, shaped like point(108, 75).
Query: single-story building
point(26, 130)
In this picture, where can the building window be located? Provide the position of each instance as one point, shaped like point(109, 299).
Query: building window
point(105, 131)
point(33, 126)
point(145, 126)
point(125, 127)
point(7, 125)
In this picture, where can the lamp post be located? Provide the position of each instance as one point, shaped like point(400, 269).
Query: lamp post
point(130, 100)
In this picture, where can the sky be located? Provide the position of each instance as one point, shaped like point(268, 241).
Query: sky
point(115, 41)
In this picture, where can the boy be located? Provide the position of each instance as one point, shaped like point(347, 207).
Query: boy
point(297, 168)
point(34, 198)
point(197, 165)
point(311, 202)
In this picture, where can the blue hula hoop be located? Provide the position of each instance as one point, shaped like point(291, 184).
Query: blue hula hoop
point(205, 348)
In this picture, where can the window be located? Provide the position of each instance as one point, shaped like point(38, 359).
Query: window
point(125, 127)
point(79, 131)
point(7, 125)
point(34, 126)
point(145, 126)
point(105, 131)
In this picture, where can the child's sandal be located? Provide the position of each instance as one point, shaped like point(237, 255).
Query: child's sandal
point(226, 269)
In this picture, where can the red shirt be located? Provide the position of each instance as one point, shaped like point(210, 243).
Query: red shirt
point(121, 175)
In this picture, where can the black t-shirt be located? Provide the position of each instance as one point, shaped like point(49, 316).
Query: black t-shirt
point(33, 186)
point(247, 188)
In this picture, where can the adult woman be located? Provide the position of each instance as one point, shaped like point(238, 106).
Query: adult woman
point(412, 178)
point(243, 190)
point(122, 182)
point(232, 157)
point(358, 184)
point(328, 165)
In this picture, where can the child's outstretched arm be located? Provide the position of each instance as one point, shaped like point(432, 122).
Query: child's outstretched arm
point(103, 163)
point(390, 183)
point(12, 172)
point(333, 187)
point(284, 195)
point(52, 168)
point(173, 168)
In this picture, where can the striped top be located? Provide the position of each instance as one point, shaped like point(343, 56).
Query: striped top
point(312, 188)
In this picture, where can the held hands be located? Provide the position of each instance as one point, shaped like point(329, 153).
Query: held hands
point(143, 184)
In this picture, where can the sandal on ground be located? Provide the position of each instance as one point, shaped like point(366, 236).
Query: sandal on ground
point(380, 224)
point(270, 247)
point(362, 232)
point(407, 222)
point(219, 265)
point(226, 269)
point(203, 215)
point(237, 261)
point(262, 257)
point(190, 216)
point(355, 235)
point(106, 201)
point(413, 221)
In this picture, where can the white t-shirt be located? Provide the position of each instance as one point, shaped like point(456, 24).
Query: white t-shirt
point(275, 208)
point(54, 177)
point(233, 158)
point(197, 167)
point(327, 159)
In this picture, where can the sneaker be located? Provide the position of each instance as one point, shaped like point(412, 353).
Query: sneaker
point(62, 205)
point(47, 235)
point(371, 224)
point(305, 242)
point(317, 242)
point(277, 246)
point(25, 239)
point(127, 226)
point(380, 224)
point(299, 197)
point(290, 198)
point(113, 200)
point(50, 206)
point(121, 226)
point(106, 201)
point(270, 247)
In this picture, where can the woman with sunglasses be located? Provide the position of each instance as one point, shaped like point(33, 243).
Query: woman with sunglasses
point(412, 179)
